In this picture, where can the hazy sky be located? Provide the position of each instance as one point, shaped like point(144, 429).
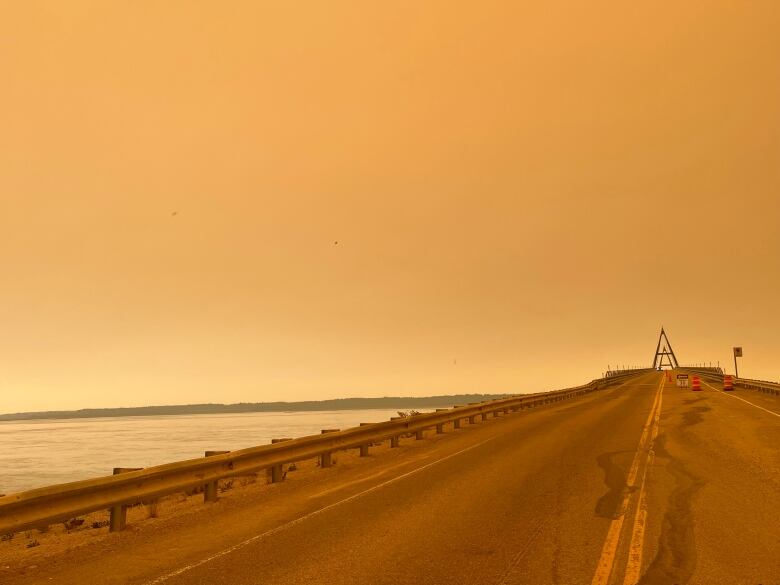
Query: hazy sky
point(522, 193)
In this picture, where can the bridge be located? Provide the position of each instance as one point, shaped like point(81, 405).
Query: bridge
point(628, 479)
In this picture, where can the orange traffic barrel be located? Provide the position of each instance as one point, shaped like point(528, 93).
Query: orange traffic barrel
point(728, 383)
point(696, 383)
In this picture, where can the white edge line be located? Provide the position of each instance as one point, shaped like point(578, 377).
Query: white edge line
point(292, 523)
point(742, 399)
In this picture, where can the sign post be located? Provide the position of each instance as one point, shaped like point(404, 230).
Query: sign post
point(737, 353)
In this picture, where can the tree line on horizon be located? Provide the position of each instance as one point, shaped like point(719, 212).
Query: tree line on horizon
point(389, 402)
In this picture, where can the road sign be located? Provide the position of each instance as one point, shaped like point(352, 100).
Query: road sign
point(682, 380)
point(737, 353)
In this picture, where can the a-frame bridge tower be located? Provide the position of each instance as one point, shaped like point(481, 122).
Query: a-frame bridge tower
point(667, 353)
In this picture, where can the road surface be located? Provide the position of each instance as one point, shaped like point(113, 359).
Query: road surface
point(642, 483)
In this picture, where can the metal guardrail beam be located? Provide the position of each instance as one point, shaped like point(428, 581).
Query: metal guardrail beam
point(48, 505)
point(760, 385)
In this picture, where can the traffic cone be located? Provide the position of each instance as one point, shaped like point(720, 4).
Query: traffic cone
point(728, 383)
point(696, 384)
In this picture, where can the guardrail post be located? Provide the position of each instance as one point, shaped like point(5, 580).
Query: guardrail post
point(326, 459)
point(456, 423)
point(118, 519)
point(364, 448)
point(440, 426)
point(210, 489)
point(277, 471)
point(395, 441)
point(484, 416)
point(419, 435)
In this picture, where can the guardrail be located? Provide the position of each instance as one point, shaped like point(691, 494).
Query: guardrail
point(704, 369)
point(760, 385)
point(705, 373)
point(41, 507)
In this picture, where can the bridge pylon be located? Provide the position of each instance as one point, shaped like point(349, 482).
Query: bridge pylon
point(667, 352)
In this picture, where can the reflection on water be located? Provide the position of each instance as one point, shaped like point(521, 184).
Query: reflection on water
point(38, 453)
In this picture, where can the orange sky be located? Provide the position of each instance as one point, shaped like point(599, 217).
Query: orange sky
point(529, 189)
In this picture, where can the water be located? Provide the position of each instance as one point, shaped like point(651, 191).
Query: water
point(44, 452)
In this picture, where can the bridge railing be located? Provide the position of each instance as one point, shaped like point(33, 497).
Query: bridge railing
point(711, 374)
point(41, 507)
point(704, 369)
point(625, 372)
point(760, 385)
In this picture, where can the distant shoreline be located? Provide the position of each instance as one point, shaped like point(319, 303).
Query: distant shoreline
point(303, 406)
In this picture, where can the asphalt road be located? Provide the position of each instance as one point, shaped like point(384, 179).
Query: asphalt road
point(644, 483)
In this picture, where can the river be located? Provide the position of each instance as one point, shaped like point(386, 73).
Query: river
point(44, 452)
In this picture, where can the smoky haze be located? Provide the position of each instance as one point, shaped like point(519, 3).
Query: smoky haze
point(210, 202)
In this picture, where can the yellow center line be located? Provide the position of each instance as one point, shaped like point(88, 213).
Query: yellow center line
point(609, 551)
point(635, 548)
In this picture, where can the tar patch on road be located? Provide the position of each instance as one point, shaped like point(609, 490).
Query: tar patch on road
point(694, 415)
point(610, 504)
point(675, 561)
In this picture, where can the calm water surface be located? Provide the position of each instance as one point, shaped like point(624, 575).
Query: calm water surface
point(39, 453)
